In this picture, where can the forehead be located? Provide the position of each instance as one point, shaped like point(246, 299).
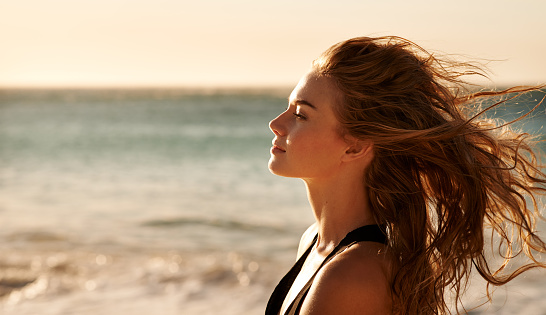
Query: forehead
point(317, 90)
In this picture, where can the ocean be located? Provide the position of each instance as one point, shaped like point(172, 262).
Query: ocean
point(138, 201)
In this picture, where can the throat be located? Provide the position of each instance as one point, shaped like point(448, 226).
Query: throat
point(338, 209)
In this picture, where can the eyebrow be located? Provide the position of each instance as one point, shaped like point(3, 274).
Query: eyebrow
point(304, 102)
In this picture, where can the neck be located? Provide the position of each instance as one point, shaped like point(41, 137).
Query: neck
point(340, 205)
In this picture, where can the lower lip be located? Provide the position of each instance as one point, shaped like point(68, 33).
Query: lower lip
point(275, 150)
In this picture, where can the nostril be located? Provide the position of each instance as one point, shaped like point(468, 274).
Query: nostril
point(273, 126)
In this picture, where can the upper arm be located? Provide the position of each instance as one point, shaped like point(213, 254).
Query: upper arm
point(352, 284)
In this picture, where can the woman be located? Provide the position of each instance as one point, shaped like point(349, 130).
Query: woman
point(402, 183)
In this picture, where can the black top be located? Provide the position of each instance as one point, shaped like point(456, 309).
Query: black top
point(370, 233)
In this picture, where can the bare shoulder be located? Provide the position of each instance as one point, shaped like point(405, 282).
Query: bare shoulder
point(307, 238)
point(354, 282)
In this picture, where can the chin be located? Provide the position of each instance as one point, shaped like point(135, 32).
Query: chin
point(275, 168)
point(272, 167)
point(282, 172)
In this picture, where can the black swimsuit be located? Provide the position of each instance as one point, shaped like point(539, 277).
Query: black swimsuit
point(370, 233)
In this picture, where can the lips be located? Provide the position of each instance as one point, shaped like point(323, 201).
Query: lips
point(277, 147)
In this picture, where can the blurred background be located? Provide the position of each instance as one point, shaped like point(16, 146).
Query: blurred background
point(134, 142)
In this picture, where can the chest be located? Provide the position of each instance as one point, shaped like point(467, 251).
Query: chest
point(309, 268)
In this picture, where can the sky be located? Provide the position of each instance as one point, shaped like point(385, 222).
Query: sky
point(243, 43)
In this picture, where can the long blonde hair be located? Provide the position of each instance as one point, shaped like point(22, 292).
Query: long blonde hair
point(439, 177)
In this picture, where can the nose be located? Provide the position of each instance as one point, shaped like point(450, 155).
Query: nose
point(276, 126)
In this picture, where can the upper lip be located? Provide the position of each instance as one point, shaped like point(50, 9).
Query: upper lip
point(276, 145)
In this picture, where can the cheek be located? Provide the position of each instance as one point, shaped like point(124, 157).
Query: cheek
point(317, 147)
point(310, 152)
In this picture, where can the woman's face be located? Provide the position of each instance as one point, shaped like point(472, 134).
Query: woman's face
point(307, 142)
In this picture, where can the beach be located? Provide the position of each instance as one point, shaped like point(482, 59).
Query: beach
point(139, 201)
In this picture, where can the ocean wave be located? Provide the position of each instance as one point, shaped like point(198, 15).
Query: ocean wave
point(36, 236)
point(109, 281)
point(214, 222)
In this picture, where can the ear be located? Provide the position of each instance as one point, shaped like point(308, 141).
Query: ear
point(358, 149)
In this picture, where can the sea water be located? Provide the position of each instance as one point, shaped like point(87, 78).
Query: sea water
point(141, 201)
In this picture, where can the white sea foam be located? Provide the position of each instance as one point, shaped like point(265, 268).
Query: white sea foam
point(139, 280)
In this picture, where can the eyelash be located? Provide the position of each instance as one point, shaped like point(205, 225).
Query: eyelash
point(300, 116)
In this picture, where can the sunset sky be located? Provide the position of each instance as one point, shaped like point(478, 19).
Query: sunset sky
point(248, 43)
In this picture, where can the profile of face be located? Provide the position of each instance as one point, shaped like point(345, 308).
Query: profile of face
point(308, 143)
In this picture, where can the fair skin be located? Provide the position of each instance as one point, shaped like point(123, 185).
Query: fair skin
point(308, 144)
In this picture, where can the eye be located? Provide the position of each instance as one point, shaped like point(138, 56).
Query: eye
point(297, 112)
